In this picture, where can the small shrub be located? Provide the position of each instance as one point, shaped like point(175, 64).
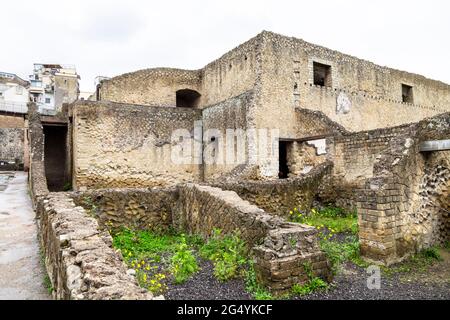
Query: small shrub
point(253, 287)
point(432, 254)
point(183, 262)
point(340, 252)
point(228, 254)
point(313, 284)
point(67, 186)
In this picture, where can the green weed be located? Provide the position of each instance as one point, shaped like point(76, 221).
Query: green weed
point(227, 252)
point(183, 262)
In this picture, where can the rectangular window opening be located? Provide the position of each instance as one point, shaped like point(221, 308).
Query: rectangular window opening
point(407, 94)
point(322, 75)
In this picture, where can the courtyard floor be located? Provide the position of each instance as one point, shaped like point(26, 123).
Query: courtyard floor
point(21, 273)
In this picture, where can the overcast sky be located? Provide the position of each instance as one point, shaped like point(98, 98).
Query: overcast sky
point(108, 37)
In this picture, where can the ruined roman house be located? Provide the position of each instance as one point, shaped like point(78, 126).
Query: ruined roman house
point(350, 132)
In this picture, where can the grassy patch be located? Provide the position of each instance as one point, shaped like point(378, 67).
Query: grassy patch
point(340, 252)
point(313, 284)
point(416, 263)
point(150, 244)
point(337, 220)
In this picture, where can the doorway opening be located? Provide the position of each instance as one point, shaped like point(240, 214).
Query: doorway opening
point(283, 147)
point(55, 156)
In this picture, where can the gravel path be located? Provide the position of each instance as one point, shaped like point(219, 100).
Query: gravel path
point(204, 286)
point(21, 274)
point(351, 284)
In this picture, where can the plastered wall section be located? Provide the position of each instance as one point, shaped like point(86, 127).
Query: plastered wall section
point(116, 145)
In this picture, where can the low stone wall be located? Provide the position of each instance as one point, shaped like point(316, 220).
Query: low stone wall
point(133, 208)
point(281, 248)
point(281, 196)
point(80, 260)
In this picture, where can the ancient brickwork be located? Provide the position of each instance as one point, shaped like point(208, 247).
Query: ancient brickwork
point(402, 208)
point(353, 157)
point(281, 249)
point(138, 209)
point(11, 122)
point(116, 145)
point(281, 196)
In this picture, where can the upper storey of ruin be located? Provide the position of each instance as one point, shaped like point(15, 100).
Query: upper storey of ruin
point(283, 67)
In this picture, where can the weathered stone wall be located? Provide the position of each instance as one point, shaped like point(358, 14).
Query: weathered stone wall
point(79, 257)
point(281, 248)
point(362, 96)
point(149, 209)
point(11, 144)
point(228, 115)
point(37, 178)
point(12, 141)
point(231, 75)
point(281, 196)
point(80, 260)
point(116, 145)
point(150, 87)
point(402, 208)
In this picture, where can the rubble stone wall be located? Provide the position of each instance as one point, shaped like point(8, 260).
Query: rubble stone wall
point(80, 259)
point(149, 209)
point(281, 249)
point(281, 196)
point(150, 86)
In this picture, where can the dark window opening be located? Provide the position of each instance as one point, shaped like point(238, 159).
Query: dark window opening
point(322, 75)
point(187, 98)
point(283, 172)
point(407, 94)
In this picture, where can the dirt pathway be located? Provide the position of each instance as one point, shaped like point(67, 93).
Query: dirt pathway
point(21, 274)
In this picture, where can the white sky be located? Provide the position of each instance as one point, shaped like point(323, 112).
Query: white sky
point(109, 37)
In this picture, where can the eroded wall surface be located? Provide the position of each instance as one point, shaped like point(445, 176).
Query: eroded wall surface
point(147, 209)
point(361, 96)
point(129, 146)
point(12, 139)
point(229, 117)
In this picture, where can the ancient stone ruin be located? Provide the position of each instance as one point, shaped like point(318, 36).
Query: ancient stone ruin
point(153, 152)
